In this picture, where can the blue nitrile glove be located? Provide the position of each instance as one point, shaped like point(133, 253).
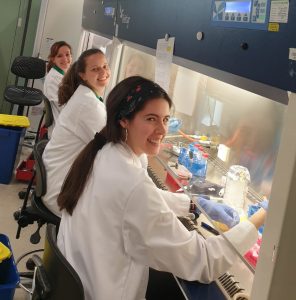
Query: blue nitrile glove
point(174, 125)
point(263, 204)
point(255, 207)
point(219, 212)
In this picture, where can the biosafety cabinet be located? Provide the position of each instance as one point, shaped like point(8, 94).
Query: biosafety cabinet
point(233, 82)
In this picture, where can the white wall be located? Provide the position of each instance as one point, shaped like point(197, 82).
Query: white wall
point(58, 20)
point(62, 21)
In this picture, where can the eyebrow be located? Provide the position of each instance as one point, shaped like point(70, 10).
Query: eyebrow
point(104, 64)
point(155, 115)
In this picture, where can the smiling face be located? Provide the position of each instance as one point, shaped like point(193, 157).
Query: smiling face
point(97, 72)
point(148, 128)
point(63, 59)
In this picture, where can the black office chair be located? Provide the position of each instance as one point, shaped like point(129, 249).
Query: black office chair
point(27, 68)
point(37, 212)
point(40, 188)
point(46, 120)
point(48, 115)
point(55, 278)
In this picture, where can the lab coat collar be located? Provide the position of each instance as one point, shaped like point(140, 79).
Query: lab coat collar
point(98, 97)
point(59, 70)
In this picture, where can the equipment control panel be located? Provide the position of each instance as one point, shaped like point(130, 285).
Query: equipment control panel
point(251, 14)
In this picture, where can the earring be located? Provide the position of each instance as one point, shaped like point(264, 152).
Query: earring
point(126, 135)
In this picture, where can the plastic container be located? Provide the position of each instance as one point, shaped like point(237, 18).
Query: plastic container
point(183, 156)
point(236, 187)
point(5, 252)
point(172, 184)
point(200, 165)
point(253, 254)
point(25, 170)
point(197, 164)
point(203, 170)
point(9, 277)
point(12, 128)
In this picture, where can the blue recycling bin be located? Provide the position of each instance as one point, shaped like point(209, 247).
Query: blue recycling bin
point(9, 277)
point(12, 128)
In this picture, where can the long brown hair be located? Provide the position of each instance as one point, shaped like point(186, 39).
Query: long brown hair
point(113, 132)
point(54, 49)
point(72, 79)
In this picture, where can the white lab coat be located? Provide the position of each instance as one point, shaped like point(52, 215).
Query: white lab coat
point(80, 119)
point(50, 90)
point(123, 224)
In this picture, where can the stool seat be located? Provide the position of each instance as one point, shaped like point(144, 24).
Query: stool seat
point(21, 95)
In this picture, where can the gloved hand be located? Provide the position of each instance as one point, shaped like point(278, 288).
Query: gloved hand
point(264, 204)
point(174, 125)
point(219, 212)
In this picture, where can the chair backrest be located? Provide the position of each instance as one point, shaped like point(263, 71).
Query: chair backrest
point(37, 204)
point(40, 188)
point(63, 280)
point(29, 67)
point(48, 118)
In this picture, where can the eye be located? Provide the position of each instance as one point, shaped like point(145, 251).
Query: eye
point(166, 120)
point(152, 119)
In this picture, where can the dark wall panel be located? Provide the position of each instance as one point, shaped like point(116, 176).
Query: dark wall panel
point(265, 57)
point(99, 16)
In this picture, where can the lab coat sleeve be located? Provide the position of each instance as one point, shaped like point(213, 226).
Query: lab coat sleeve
point(154, 236)
point(51, 88)
point(178, 203)
point(92, 119)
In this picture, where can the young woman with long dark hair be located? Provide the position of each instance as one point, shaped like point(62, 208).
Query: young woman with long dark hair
point(84, 114)
point(116, 223)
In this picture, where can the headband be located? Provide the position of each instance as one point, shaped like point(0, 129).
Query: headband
point(137, 95)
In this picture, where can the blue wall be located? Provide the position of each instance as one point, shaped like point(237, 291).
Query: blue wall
point(265, 60)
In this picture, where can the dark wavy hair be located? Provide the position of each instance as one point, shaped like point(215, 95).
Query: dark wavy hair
point(54, 49)
point(113, 132)
point(72, 80)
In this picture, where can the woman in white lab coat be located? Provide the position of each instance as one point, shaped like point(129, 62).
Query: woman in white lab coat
point(116, 223)
point(84, 114)
point(59, 61)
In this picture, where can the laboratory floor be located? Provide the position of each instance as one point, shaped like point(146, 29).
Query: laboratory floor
point(9, 203)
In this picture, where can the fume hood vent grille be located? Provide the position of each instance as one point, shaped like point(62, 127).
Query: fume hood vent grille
point(230, 286)
point(186, 221)
point(157, 181)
